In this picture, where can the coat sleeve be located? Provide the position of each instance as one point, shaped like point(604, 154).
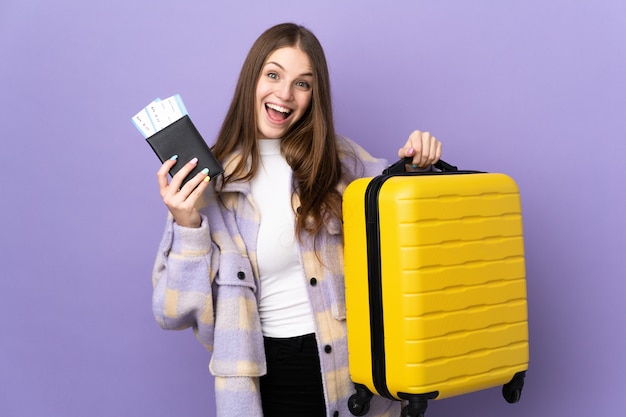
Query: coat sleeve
point(237, 396)
point(183, 277)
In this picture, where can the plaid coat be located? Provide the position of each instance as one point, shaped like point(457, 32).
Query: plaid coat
point(207, 279)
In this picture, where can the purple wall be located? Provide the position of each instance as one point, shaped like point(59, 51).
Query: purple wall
point(535, 89)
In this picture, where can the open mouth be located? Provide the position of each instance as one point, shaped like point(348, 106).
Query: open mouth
point(277, 113)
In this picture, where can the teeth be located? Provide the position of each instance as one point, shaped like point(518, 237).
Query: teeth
point(278, 108)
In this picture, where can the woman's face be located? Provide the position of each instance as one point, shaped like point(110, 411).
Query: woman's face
point(283, 92)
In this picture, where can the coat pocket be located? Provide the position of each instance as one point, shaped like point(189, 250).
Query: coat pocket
point(235, 270)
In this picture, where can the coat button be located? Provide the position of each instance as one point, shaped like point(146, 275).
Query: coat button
point(313, 281)
point(328, 349)
point(241, 275)
point(336, 414)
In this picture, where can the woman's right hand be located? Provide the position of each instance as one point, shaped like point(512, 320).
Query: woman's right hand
point(181, 201)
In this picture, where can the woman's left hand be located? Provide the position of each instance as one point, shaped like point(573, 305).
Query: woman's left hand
point(423, 147)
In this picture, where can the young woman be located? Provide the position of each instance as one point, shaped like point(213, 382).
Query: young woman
point(253, 260)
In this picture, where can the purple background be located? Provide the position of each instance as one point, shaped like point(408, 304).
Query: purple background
point(535, 89)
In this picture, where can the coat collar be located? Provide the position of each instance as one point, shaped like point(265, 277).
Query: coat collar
point(333, 225)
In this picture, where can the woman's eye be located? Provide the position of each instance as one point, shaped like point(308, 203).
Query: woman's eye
point(273, 75)
point(303, 84)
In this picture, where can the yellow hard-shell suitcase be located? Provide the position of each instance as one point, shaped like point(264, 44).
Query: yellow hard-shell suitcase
point(435, 286)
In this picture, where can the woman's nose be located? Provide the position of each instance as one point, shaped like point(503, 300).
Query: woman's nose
point(284, 92)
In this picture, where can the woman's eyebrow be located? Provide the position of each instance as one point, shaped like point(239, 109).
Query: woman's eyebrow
point(306, 74)
point(275, 63)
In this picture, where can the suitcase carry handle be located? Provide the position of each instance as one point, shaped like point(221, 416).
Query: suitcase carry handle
point(400, 166)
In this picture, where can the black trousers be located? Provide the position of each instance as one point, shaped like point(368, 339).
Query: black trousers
point(293, 383)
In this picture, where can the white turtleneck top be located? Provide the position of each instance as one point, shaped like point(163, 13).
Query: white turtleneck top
point(284, 308)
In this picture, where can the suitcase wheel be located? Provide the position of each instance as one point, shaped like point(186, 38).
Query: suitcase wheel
point(359, 403)
point(512, 391)
point(417, 404)
point(411, 412)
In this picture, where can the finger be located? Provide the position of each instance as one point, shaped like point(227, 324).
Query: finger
point(417, 139)
point(183, 204)
point(407, 150)
point(177, 179)
point(163, 171)
point(431, 155)
point(202, 185)
point(422, 146)
point(412, 147)
point(190, 189)
point(435, 152)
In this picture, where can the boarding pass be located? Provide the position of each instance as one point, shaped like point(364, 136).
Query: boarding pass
point(159, 114)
